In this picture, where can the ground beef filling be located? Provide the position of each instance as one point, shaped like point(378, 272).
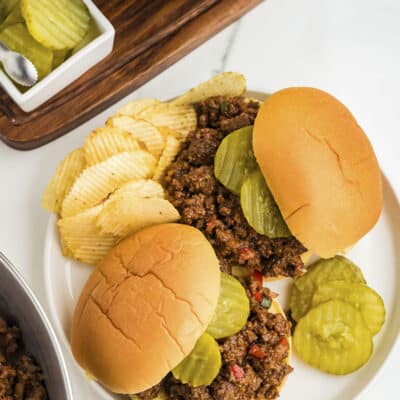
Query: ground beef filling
point(20, 376)
point(253, 362)
point(206, 204)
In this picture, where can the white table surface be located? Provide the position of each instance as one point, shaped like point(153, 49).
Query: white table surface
point(350, 48)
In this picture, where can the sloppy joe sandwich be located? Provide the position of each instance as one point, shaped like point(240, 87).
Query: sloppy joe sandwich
point(158, 318)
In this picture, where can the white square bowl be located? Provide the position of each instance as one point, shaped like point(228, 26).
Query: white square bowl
point(69, 70)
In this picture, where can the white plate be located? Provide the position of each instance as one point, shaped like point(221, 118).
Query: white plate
point(378, 254)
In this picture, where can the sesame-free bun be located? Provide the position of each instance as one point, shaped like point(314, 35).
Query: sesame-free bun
point(144, 307)
point(320, 168)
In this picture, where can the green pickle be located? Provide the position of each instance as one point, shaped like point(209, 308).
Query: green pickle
point(58, 25)
point(59, 56)
point(17, 38)
point(92, 34)
point(232, 310)
point(6, 6)
point(338, 268)
point(14, 17)
point(235, 159)
point(202, 365)
point(260, 209)
point(333, 338)
point(363, 298)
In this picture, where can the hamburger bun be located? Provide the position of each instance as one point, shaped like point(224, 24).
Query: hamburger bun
point(144, 307)
point(320, 168)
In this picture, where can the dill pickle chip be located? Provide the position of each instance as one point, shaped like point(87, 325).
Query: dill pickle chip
point(14, 17)
point(333, 338)
point(362, 297)
point(259, 207)
point(337, 268)
point(59, 56)
point(3, 13)
point(232, 309)
point(56, 24)
point(17, 38)
point(235, 159)
point(8, 6)
point(91, 34)
point(202, 365)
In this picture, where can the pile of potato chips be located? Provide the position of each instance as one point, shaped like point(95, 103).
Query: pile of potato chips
point(110, 187)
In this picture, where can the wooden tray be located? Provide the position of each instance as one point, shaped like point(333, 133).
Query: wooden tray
point(150, 36)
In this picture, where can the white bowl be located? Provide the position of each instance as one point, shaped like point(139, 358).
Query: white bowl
point(69, 70)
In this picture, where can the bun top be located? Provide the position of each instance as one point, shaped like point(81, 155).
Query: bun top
point(320, 168)
point(144, 307)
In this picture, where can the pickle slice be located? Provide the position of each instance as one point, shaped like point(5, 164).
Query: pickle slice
point(338, 268)
point(3, 13)
point(59, 57)
point(202, 365)
point(8, 6)
point(235, 159)
point(58, 25)
point(232, 310)
point(91, 34)
point(14, 17)
point(362, 297)
point(17, 38)
point(333, 338)
point(260, 209)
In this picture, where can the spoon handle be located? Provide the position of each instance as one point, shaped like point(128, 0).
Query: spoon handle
point(3, 51)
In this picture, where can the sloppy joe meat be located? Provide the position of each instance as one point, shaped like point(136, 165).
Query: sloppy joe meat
point(205, 203)
point(20, 376)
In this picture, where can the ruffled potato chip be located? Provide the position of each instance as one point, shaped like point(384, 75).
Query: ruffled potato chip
point(105, 142)
point(225, 84)
point(66, 173)
point(165, 131)
point(180, 118)
point(98, 181)
point(142, 130)
point(133, 108)
point(171, 149)
point(139, 188)
point(124, 215)
point(83, 239)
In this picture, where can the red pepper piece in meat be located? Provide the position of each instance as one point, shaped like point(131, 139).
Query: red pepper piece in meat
point(284, 342)
point(282, 347)
point(236, 371)
point(246, 253)
point(258, 277)
point(258, 296)
point(257, 352)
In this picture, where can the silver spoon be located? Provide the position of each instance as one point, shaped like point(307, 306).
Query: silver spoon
point(18, 67)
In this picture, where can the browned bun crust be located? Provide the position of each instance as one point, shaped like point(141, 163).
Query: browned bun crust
point(320, 167)
point(144, 307)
